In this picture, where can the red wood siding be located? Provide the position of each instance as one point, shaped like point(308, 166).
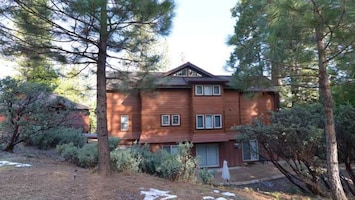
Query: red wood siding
point(124, 104)
point(231, 109)
point(166, 102)
point(255, 106)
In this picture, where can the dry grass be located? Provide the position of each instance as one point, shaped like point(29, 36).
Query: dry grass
point(52, 178)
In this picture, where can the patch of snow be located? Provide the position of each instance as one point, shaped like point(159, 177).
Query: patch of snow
point(221, 198)
point(155, 193)
point(216, 191)
point(7, 163)
point(207, 197)
point(228, 194)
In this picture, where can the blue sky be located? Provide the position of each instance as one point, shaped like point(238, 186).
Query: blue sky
point(199, 34)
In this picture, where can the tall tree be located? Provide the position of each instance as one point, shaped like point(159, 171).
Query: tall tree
point(96, 32)
point(34, 66)
point(316, 35)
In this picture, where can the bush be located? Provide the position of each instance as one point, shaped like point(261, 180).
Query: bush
point(88, 155)
point(170, 167)
point(113, 142)
point(52, 138)
point(69, 152)
point(206, 176)
point(125, 160)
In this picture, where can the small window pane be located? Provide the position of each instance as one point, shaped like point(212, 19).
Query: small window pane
point(209, 122)
point(199, 122)
point(124, 122)
point(198, 90)
point(165, 120)
point(175, 120)
point(216, 90)
point(208, 90)
point(218, 121)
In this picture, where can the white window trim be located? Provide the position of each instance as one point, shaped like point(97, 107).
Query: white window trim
point(124, 129)
point(219, 90)
point(213, 117)
point(162, 120)
point(172, 120)
point(220, 121)
point(203, 122)
point(202, 88)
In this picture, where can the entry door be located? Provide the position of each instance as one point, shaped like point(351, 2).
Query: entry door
point(250, 151)
point(207, 155)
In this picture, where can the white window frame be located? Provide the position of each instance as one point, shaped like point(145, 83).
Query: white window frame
point(203, 122)
point(178, 120)
point(124, 122)
point(220, 121)
point(207, 92)
point(207, 117)
point(196, 90)
point(165, 122)
point(219, 90)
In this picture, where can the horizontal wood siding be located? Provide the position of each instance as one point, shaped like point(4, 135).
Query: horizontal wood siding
point(124, 104)
point(231, 109)
point(255, 106)
point(206, 105)
point(166, 102)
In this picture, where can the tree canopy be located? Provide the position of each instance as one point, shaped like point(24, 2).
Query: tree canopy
point(103, 34)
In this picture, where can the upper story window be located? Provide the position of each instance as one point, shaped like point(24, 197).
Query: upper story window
point(209, 121)
point(208, 90)
point(175, 120)
point(170, 120)
point(165, 120)
point(124, 123)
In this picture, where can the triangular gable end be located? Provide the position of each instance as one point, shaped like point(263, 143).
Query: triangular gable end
point(188, 70)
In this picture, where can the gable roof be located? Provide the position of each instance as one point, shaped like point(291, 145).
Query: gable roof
point(183, 76)
point(191, 66)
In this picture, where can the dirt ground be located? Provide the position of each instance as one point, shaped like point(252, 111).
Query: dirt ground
point(50, 177)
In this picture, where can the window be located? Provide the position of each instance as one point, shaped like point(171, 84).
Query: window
point(173, 149)
point(208, 121)
point(217, 121)
point(216, 90)
point(208, 155)
point(124, 122)
point(207, 90)
point(250, 150)
point(199, 90)
point(200, 122)
point(165, 120)
point(175, 120)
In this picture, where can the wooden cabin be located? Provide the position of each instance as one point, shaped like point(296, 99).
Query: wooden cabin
point(77, 116)
point(188, 104)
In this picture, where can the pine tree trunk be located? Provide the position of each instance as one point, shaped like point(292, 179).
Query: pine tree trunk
point(104, 167)
point(327, 101)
